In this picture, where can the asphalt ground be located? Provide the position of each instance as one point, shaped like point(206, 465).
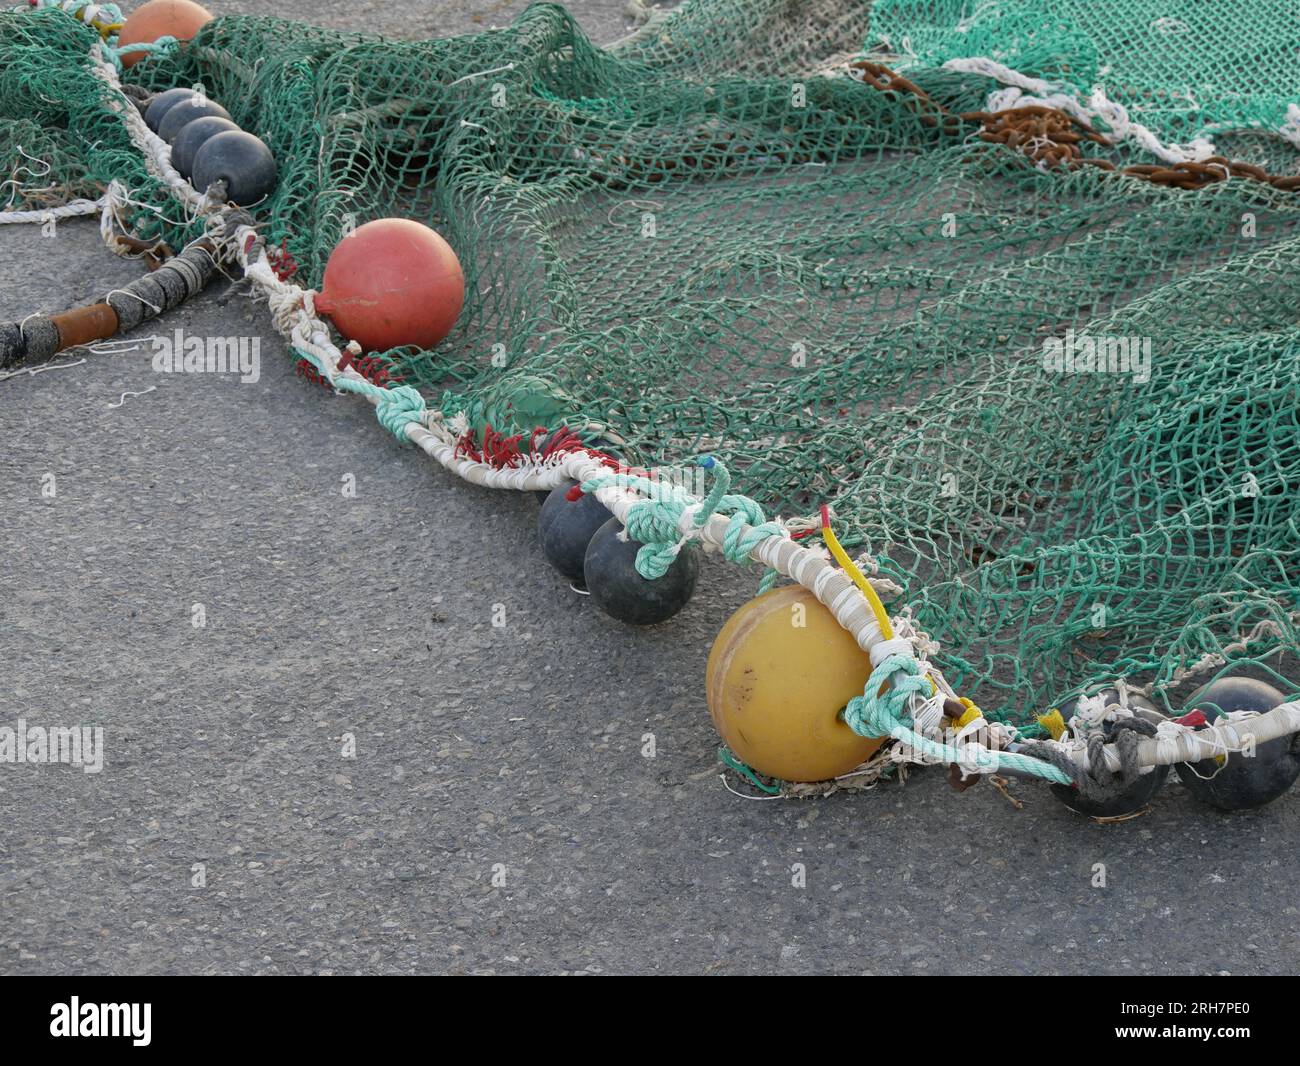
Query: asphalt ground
point(349, 768)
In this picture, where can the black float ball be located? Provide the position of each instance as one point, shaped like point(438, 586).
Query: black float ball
point(242, 161)
point(162, 103)
point(1241, 781)
point(612, 579)
point(183, 112)
point(1136, 794)
point(565, 528)
point(192, 137)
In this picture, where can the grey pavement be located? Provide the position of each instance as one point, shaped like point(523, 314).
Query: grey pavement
point(498, 815)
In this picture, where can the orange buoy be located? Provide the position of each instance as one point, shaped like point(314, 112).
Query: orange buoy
point(391, 283)
point(780, 672)
point(181, 19)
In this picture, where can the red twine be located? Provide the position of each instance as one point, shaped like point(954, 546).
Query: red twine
point(504, 452)
point(370, 367)
point(281, 260)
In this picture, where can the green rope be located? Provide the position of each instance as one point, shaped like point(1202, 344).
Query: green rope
point(882, 707)
point(396, 406)
point(162, 46)
point(731, 762)
point(881, 711)
point(656, 521)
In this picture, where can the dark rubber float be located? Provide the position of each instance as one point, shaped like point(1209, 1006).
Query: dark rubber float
point(194, 136)
point(183, 112)
point(565, 528)
point(158, 107)
point(612, 579)
point(1237, 781)
point(239, 159)
point(1137, 793)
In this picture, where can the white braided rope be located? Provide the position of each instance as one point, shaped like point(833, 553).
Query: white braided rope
point(89, 13)
point(294, 316)
point(72, 209)
point(157, 153)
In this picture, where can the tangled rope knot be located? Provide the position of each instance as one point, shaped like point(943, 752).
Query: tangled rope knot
point(1099, 782)
point(657, 522)
point(882, 707)
point(397, 408)
point(882, 711)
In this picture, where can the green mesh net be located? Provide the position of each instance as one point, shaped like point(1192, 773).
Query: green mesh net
point(709, 238)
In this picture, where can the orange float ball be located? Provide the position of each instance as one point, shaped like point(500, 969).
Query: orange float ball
point(391, 283)
point(181, 19)
point(780, 672)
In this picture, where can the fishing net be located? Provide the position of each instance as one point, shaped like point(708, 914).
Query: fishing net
point(1053, 400)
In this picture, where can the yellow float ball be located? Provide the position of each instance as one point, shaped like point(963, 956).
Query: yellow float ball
point(780, 672)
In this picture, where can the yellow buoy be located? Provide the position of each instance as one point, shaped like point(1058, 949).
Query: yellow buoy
point(780, 672)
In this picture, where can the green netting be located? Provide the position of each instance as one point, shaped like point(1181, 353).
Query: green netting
point(709, 238)
point(1179, 65)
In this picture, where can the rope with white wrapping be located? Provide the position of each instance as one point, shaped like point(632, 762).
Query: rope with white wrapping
point(1174, 743)
point(72, 209)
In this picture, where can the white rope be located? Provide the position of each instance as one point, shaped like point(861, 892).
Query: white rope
point(1098, 106)
point(33, 370)
point(1290, 129)
point(157, 153)
point(1178, 743)
point(1212, 660)
point(123, 398)
point(637, 12)
point(480, 74)
point(1044, 93)
point(72, 209)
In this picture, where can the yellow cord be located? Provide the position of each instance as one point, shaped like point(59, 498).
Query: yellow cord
point(882, 616)
point(846, 564)
point(969, 715)
point(864, 586)
point(1053, 722)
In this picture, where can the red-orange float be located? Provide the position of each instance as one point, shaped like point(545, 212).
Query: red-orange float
point(181, 19)
point(391, 283)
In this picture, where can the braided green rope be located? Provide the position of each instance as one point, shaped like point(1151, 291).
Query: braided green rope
point(656, 521)
point(882, 709)
point(162, 46)
point(396, 406)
